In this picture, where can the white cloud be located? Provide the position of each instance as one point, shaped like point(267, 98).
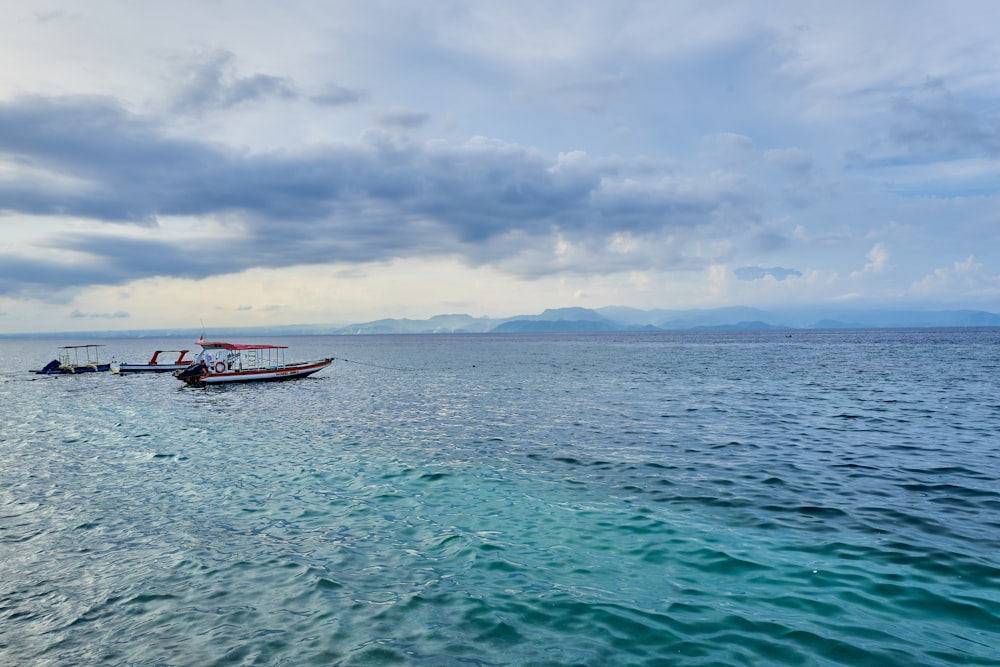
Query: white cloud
point(878, 261)
point(967, 276)
point(761, 273)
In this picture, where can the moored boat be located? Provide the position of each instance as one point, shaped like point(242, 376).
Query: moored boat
point(154, 365)
point(75, 359)
point(228, 363)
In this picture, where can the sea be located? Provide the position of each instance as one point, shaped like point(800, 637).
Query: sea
point(675, 498)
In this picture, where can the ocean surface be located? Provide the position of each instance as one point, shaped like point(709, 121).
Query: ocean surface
point(803, 498)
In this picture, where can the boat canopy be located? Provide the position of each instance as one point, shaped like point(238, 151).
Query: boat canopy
point(239, 346)
point(69, 355)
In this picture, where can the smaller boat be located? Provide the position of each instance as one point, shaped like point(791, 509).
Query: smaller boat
point(75, 359)
point(228, 363)
point(154, 365)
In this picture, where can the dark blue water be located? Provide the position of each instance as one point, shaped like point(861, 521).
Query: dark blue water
point(823, 498)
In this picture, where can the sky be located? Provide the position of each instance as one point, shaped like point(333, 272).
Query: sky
point(249, 163)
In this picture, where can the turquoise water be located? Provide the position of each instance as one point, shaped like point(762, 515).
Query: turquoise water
point(819, 498)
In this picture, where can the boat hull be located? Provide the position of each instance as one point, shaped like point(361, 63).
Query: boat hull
point(289, 372)
point(154, 365)
point(74, 370)
point(147, 368)
point(74, 360)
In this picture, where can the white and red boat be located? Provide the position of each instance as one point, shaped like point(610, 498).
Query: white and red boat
point(226, 363)
point(154, 365)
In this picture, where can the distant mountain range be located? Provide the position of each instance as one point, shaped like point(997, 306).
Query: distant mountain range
point(617, 318)
point(613, 318)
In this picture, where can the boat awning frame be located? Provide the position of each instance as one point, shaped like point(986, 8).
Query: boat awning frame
point(240, 346)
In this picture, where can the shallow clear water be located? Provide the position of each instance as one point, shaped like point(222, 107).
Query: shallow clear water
point(823, 498)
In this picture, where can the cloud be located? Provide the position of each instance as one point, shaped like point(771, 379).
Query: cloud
point(968, 276)
point(52, 16)
point(402, 118)
point(335, 95)
point(76, 314)
point(730, 149)
point(213, 83)
point(934, 124)
point(878, 261)
point(43, 277)
point(793, 160)
point(506, 141)
point(759, 273)
point(768, 240)
point(595, 95)
point(122, 165)
point(932, 136)
point(377, 199)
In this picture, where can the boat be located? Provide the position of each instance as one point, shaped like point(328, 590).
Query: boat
point(75, 359)
point(228, 363)
point(154, 365)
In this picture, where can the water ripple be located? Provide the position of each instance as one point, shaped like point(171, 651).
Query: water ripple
point(527, 500)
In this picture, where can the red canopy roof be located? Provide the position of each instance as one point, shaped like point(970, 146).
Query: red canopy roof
point(240, 346)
